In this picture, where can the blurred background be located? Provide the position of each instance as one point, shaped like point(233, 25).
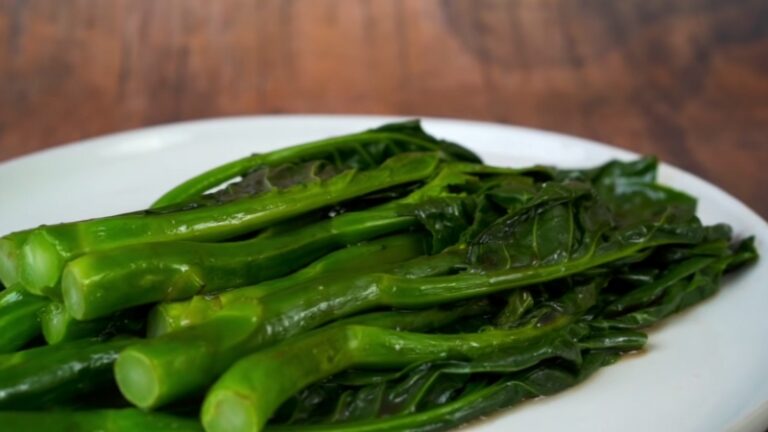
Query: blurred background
point(685, 79)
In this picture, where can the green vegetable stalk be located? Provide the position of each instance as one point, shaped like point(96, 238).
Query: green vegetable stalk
point(52, 374)
point(59, 326)
point(376, 255)
point(48, 249)
point(205, 350)
point(383, 398)
point(100, 283)
point(361, 151)
point(672, 295)
point(107, 420)
point(246, 396)
point(19, 318)
point(418, 320)
point(477, 401)
point(652, 291)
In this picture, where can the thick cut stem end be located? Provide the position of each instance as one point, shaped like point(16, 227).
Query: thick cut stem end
point(137, 380)
point(226, 411)
point(41, 265)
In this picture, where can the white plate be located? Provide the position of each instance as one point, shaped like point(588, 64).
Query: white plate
point(706, 370)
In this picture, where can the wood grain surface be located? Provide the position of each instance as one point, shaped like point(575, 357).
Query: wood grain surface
point(685, 79)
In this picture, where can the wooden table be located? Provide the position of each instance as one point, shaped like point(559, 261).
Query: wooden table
point(686, 79)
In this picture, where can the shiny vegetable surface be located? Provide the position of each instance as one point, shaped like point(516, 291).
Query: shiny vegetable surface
point(19, 318)
point(48, 249)
point(361, 150)
point(49, 375)
point(379, 281)
point(375, 255)
point(101, 283)
point(106, 420)
point(60, 326)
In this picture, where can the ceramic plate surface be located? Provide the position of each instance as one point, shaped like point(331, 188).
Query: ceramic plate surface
point(703, 370)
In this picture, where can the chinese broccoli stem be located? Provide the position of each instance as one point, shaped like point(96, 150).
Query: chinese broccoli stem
point(540, 380)
point(104, 420)
point(59, 326)
point(247, 395)
point(49, 248)
point(372, 256)
point(358, 150)
point(48, 375)
point(137, 373)
point(19, 318)
point(101, 283)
